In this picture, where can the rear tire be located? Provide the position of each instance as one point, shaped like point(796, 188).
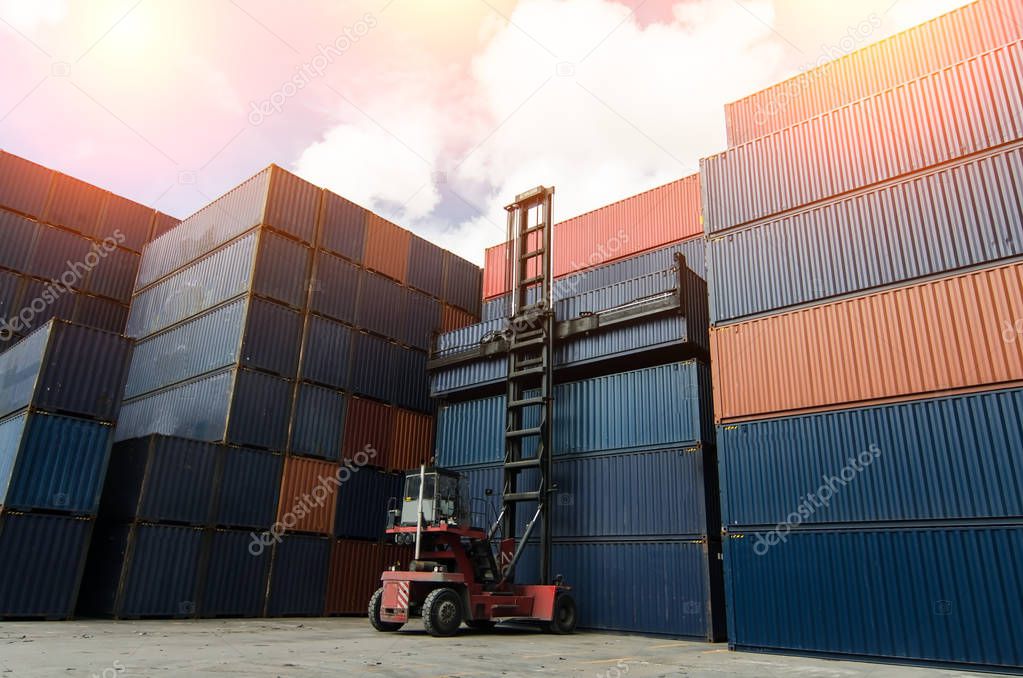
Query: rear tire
point(564, 618)
point(481, 624)
point(374, 614)
point(442, 612)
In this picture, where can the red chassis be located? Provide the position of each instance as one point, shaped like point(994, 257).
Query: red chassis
point(442, 588)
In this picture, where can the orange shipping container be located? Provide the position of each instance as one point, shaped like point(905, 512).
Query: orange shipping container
point(412, 443)
point(387, 247)
point(355, 568)
point(455, 318)
point(308, 495)
point(651, 219)
point(369, 425)
point(954, 333)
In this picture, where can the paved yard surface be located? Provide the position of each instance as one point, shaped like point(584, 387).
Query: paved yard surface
point(348, 647)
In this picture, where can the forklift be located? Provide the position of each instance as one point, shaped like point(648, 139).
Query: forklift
point(456, 576)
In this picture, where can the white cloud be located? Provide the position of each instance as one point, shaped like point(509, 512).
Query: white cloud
point(28, 16)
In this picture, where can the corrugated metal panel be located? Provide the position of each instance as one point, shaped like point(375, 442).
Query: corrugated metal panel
point(59, 255)
point(42, 302)
point(308, 495)
point(161, 480)
point(11, 286)
point(343, 227)
point(362, 503)
point(470, 432)
point(24, 185)
point(66, 368)
point(642, 222)
point(260, 411)
point(469, 336)
point(452, 318)
point(421, 321)
point(225, 274)
point(382, 307)
point(53, 462)
point(412, 383)
point(100, 313)
point(966, 214)
point(283, 269)
point(657, 333)
point(298, 578)
point(19, 240)
point(114, 275)
point(387, 247)
point(426, 267)
point(373, 369)
point(913, 340)
point(163, 223)
point(318, 423)
point(879, 138)
point(273, 338)
point(160, 572)
point(355, 568)
point(945, 594)
point(126, 221)
point(224, 219)
point(948, 39)
point(412, 441)
point(335, 290)
point(369, 428)
point(41, 562)
point(939, 459)
point(463, 283)
point(235, 578)
point(327, 352)
point(249, 487)
point(292, 205)
point(467, 376)
point(74, 204)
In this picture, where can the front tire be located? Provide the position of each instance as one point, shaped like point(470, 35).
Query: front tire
point(564, 618)
point(442, 612)
point(374, 614)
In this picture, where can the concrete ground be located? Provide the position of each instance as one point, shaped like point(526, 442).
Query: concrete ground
point(343, 647)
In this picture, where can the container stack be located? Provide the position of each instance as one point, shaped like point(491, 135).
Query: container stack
point(60, 389)
point(68, 250)
point(866, 287)
point(280, 365)
point(634, 519)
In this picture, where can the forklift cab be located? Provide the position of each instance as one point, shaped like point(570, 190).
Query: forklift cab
point(445, 499)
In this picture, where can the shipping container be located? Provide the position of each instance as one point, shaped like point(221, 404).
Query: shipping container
point(161, 479)
point(234, 406)
point(945, 594)
point(59, 255)
point(250, 484)
point(628, 227)
point(387, 248)
point(99, 313)
point(140, 570)
point(19, 240)
point(369, 429)
point(382, 307)
point(272, 198)
point(24, 185)
point(309, 490)
point(128, 222)
point(235, 576)
point(42, 557)
point(326, 354)
point(298, 577)
point(412, 440)
point(422, 320)
point(952, 458)
point(342, 227)
point(53, 462)
point(12, 287)
point(373, 371)
point(113, 276)
point(163, 223)
point(334, 291)
point(470, 432)
point(65, 368)
point(463, 283)
point(41, 302)
point(249, 331)
point(362, 503)
point(74, 204)
point(913, 126)
point(909, 341)
point(426, 267)
point(318, 422)
point(412, 382)
point(355, 568)
point(938, 221)
point(965, 32)
point(452, 318)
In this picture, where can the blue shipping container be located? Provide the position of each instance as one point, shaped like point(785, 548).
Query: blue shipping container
point(361, 510)
point(335, 288)
point(317, 425)
point(248, 490)
point(327, 352)
point(426, 267)
point(298, 577)
point(382, 306)
point(235, 578)
point(947, 594)
point(463, 283)
point(342, 227)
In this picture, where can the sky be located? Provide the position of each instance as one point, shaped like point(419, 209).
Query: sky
point(432, 113)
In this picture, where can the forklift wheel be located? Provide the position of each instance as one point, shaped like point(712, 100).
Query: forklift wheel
point(442, 612)
point(481, 624)
point(564, 618)
point(374, 614)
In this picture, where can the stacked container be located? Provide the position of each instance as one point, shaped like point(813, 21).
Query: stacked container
point(68, 250)
point(59, 397)
point(284, 327)
point(634, 520)
point(865, 278)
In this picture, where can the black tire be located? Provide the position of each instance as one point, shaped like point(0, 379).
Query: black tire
point(565, 616)
point(374, 614)
point(481, 624)
point(442, 612)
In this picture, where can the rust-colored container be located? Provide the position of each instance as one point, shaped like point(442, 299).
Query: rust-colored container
point(161, 224)
point(369, 427)
point(412, 442)
point(355, 568)
point(387, 247)
point(308, 495)
point(944, 335)
point(128, 222)
point(656, 217)
point(74, 204)
point(455, 318)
